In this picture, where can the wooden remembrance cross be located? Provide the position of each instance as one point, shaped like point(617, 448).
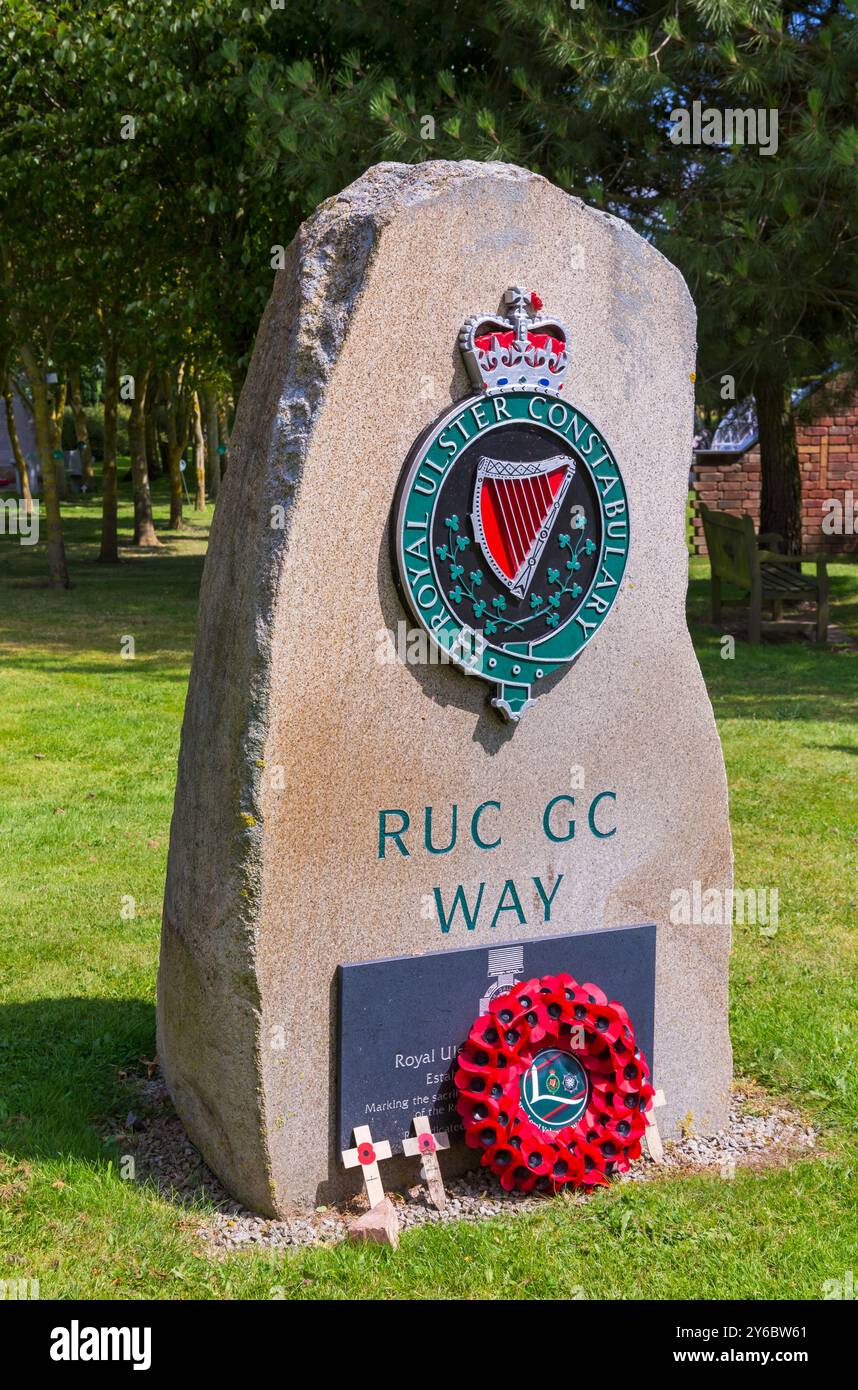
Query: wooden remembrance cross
point(367, 1152)
point(426, 1144)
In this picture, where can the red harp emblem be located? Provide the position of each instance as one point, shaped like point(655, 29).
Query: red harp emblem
point(515, 507)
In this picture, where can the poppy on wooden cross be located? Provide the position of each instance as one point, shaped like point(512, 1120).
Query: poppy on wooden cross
point(366, 1153)
point(652, 1138)
point(426, 1144)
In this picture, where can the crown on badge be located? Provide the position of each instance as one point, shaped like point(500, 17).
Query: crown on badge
point(521, 350)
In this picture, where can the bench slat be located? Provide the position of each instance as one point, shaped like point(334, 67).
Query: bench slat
point(785, 582)
point(786, 586)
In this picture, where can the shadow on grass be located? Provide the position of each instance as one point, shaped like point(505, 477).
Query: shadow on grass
point(150, 595)
point(169, 665)
point(778, 681)
point(79, 1081)
point(61, 1064)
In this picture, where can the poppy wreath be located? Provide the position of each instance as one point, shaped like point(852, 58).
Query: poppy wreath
point(552, 1086)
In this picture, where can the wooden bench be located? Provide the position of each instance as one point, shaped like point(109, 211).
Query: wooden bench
point(736, 558)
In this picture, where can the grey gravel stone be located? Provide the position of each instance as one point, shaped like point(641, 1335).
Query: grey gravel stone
point(761, 1131)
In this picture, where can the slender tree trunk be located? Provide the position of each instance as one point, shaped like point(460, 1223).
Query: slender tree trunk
point(212, 456)
point(58, 410)
point(150, 428)
point(236, 377)
point(144, 526)
point(184, 407)
point(20, 461)
point(780, 500)
point(109, 496)
point(174, 453)
point(82, 429)
point(37, 374)
point(223, 432)
point(199, 456)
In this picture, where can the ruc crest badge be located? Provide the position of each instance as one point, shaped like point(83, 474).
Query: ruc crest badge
point(511, 527)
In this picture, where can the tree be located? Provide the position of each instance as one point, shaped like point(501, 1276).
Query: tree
point(28, 313)
point(199, 454)
point(179, 146)
point(176, 392)
point(6, 384)
point(81, 427)
point(144, 526)
point(769, 242)
point(109, 551)
point(209, 401)
point(71, 155)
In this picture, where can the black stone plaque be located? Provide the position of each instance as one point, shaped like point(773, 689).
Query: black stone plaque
point(402, 1021)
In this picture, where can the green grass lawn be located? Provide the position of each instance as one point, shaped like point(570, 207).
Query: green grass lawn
point(90, 741)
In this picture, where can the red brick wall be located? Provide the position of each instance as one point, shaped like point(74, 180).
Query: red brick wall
point(828, 457)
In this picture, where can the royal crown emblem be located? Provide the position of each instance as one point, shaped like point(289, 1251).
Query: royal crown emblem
point(511, 529)
point(520, 350)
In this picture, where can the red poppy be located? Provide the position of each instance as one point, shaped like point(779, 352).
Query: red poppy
point(426, 1143)
point(594, 994)
point(366, 1153)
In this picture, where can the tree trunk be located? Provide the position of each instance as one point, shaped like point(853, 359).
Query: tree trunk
point(37, 374)
point(82, 430)
point(236, 377)
point(199, 456)
point(150, 428)
point(223, 432)
point(174, 454)
point(58, 409)
point(212, 456)
point(780, 498)
point(109, 500)
point(144, 526)
point(20, 461)
point(184, 407)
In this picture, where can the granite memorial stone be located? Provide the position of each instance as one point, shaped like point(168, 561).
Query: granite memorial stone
point(443, 693)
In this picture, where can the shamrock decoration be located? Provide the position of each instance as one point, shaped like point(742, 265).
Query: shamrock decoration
point(492, 617)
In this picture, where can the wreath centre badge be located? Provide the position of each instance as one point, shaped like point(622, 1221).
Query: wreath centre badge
point(511, 525)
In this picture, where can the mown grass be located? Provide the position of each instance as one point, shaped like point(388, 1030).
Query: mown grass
point(90, 742)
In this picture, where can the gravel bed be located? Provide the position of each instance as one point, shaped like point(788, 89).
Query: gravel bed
point(760, 1132)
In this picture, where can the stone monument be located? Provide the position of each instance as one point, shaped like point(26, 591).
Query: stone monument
point(412, 728)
